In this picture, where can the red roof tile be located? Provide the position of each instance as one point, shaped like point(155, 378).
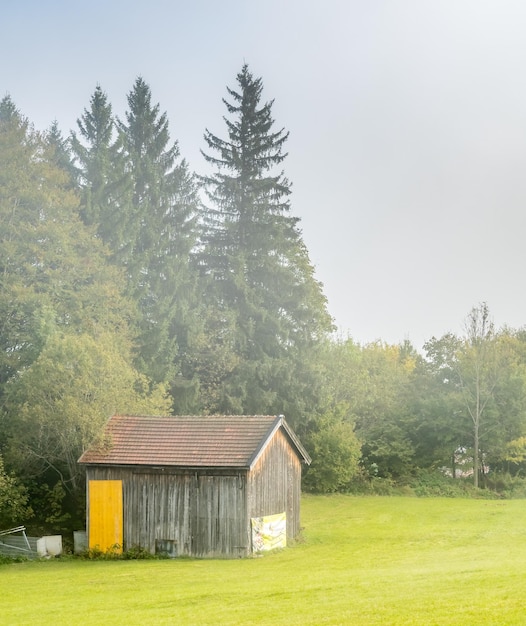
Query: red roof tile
point(211, 441)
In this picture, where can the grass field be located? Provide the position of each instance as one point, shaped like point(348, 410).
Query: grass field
point(362, 561)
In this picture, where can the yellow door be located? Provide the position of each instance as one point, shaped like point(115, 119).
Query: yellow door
point(105, 514)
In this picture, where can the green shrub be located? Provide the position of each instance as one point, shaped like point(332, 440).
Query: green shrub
point(96, 554)
point(335, 452)
point(6, 560)
point(366, 484)
point(115, 553)
point(427, 483)
point(140, 553)
point(506, 485)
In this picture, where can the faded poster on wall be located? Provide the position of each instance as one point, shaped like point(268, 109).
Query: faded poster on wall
point(269, 532)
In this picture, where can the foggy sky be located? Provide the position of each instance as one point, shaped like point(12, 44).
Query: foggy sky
point(407, 123)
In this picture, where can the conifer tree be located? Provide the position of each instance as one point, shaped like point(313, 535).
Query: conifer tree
point(101, 174)
point(254, 259)
point(160, 230)
point(61, 152)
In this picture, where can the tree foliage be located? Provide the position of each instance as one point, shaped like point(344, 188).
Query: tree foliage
point(56, 407)
point(480, 391)
point(160, 232)
point(53, 270)
point(13, 500)
point(102, 179)
point(375, 383)
point(56, 282)
point(336, 453)
point(254, 263)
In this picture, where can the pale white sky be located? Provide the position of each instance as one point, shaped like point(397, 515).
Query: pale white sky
point(407, 123)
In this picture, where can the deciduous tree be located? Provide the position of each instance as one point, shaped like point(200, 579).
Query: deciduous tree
point(13, 500)
point(56, 407)
point(53, 270)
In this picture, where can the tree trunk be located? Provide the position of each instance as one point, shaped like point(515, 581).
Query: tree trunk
point(476, 457)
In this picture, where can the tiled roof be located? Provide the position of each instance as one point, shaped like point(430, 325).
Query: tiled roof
point(211, 441)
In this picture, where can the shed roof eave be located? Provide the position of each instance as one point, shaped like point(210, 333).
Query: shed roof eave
point(263, 444)
point(297, 444)
point(280, 422)
point(192, 468)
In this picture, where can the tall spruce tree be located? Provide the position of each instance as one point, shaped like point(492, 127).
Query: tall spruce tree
point(254, 260)
point(102, 176)
point(160, 230)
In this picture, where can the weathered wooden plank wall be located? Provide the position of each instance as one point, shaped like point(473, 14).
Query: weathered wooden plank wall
point(274, 484)
point(201, 513)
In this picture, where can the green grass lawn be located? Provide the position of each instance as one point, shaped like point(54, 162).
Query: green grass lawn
point(364, 561)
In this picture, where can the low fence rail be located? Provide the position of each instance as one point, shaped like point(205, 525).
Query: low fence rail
point(15, 542)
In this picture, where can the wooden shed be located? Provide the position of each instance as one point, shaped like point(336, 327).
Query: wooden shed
point(198, 486)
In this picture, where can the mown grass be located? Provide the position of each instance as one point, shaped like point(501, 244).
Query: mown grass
point(369, 560)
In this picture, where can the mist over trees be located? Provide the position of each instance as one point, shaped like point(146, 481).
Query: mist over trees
point(131, 284)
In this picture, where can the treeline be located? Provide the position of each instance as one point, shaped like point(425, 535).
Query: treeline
point(131, 284)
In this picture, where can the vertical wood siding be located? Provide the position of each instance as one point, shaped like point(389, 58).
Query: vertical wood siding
point(274, 484)
point(199, 513)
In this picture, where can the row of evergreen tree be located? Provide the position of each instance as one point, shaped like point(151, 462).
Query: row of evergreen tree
point(231, 274)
